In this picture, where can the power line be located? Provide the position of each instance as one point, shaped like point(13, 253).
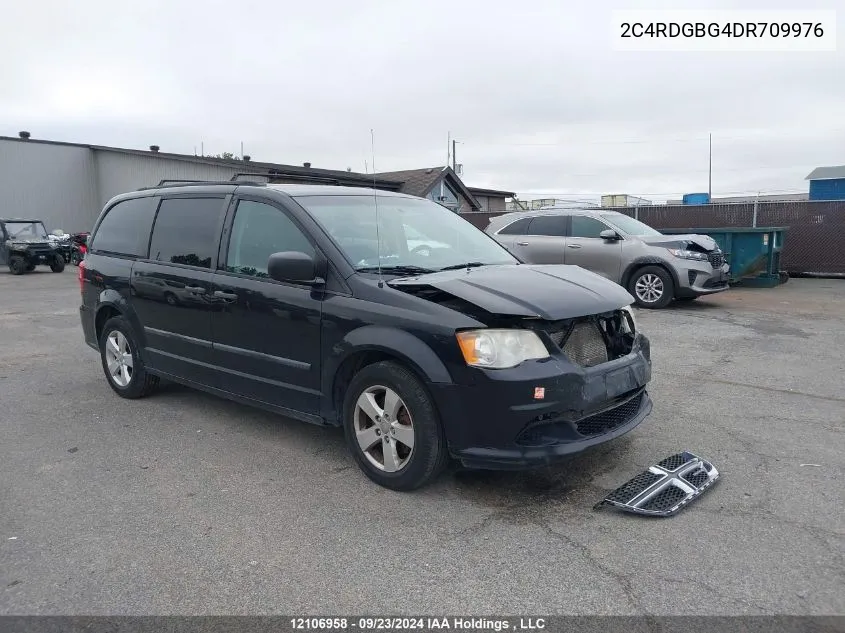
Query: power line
point(749, 192)
point(692, 139)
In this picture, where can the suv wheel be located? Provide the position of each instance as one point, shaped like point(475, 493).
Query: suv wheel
point(392, 427)
point(652, 287)
point(122, 364)
point(17, 265)
point(58, 264)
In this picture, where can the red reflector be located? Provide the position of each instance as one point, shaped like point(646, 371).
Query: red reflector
point(81, 274)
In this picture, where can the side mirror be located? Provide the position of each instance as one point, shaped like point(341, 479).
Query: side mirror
point(293, 266)
point(610, 234)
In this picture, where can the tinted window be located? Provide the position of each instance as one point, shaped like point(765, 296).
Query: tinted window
point(516, 228)
point(582, 226)
point(259, 230)
point(548, 225)
point(125, 229)
point(185, 231)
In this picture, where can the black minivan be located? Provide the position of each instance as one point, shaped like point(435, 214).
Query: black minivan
point(387, 314)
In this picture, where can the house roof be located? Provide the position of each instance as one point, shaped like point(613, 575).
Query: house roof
point(415, 182)
point(493, 193)
point(419, 182)
point(827, 173)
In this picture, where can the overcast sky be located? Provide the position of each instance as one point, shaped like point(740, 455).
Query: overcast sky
point(533, 90)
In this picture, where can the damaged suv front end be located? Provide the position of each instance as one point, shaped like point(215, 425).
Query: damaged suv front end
point(557, 366)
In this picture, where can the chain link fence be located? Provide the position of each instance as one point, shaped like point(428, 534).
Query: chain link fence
point(814, 242)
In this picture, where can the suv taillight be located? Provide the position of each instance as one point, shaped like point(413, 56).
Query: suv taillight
point(81, 275)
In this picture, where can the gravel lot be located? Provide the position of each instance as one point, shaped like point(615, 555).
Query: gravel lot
point(183, 503)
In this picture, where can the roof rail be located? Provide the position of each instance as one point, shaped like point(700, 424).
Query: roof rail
point(307, 178)
point(195, 183)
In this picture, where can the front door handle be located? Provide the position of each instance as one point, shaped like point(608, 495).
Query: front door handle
point(522, 243)
point(573, 246)
point(228, 296)
point(197, 290)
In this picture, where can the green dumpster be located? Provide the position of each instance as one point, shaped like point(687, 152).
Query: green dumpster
point(752, 252)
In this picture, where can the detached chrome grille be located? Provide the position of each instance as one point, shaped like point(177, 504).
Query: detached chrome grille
point(716, 259)
point(584, 346)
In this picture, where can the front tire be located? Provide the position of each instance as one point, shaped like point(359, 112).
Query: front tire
point(58, 264)
point(122, 364)
point(392, 427)
point(652, 287)
point(17, 265)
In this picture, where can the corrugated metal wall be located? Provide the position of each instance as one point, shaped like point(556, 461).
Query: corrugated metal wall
point(118, 172)
point(55, 183)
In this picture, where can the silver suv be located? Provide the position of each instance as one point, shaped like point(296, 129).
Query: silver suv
point(653, 267)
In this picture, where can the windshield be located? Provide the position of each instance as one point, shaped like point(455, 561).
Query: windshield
point(26, 231)
point(629, 225)
point(412, 233)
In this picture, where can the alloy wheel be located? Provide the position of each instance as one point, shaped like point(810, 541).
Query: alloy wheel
point(119, 358)
point(649, 288)
point(384, 428)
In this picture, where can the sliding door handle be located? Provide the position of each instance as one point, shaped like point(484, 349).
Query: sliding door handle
point(573, 246)
point(522, 243)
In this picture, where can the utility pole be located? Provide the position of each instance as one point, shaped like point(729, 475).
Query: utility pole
point(454, 158)
point(242, 150)
point(710, 172)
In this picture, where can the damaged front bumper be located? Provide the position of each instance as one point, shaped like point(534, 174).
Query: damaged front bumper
point(541, 411)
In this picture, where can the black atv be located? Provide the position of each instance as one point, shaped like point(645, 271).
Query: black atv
point(24, 245)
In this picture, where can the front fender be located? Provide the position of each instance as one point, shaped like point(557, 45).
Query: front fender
point(393, 341)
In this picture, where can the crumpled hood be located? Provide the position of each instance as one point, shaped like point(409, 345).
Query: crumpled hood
point(550, 292)
point(704, 241)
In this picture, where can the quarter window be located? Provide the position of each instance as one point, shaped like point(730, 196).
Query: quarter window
point(186, 231)
point(583, 226)
point(259, 230)
point(125, 229)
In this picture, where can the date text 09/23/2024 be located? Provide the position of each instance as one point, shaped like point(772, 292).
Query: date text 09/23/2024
point(417, 624)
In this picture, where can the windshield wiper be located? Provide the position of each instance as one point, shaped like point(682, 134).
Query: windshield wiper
point(398, 270)
point(466, 265)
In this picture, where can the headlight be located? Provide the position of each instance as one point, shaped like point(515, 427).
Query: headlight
point(683, 254)
point(631, 321)
point(500, 349)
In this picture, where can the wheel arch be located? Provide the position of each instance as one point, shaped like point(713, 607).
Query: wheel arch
point(642, 262)
point(111, 303)
point(372, 344)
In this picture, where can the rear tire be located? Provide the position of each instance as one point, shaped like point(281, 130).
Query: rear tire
point(652, 287)
point(388, 460)
point(17, 265)
point(122, 364)
point(58, 264)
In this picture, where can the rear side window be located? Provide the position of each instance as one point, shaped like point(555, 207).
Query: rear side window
point(516, 228)
point(583, 226)
point(186, 231)
point(125, 229)
point(259, 230)
point(553, 225)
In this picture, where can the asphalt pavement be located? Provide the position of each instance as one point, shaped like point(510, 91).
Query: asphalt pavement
point(183, 503)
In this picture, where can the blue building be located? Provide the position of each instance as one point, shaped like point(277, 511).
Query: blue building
point(827, 183)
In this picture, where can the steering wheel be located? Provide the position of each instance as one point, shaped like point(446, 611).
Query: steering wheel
point(422, 249)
